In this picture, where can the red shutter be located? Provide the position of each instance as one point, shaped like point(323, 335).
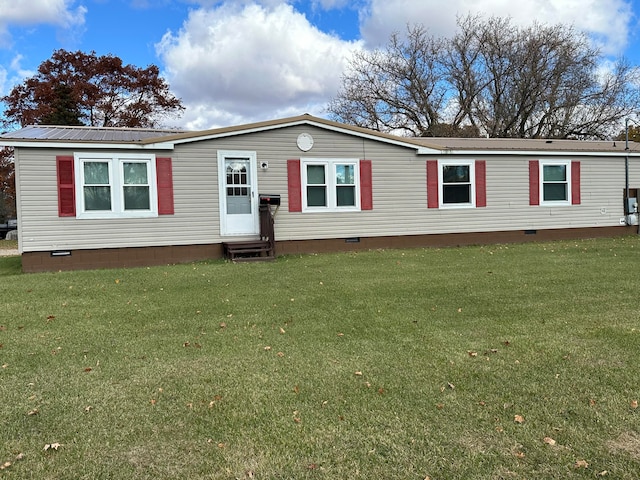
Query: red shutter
point(164, 176)
point(481, 183)
point(534, 182)
point(432, 184)
point(294, 185)
point(575, 183)
point(66, 186)
point(366, 185)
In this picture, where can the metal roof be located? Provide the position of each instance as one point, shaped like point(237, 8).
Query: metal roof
point(87, 134)
point(527, 144)
point(47, 136)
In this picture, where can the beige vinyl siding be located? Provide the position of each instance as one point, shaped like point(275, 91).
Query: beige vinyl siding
point(399, 195)
point(195, 202)
point(399, 191)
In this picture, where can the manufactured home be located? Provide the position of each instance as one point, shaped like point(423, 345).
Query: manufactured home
point(110, 197)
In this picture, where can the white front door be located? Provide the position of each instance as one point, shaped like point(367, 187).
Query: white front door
point(238, 193)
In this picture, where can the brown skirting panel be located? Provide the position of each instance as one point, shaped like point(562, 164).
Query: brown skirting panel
point(446, 239)
point(147, 256)
point(117, 257)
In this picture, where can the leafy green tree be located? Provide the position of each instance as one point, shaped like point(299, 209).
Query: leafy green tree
point(64, 109)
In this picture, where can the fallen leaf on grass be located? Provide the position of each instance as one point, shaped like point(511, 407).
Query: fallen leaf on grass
point(520, 454)
point(358, 373)
point(592, 403)
point(280, 354)
point(282, 330)
point(88, 369)
point(518, 418)
point(267, 348)
point(296, 389)
point(472, 354)
point(634, 404)
point(603, 473)
point(341, 334)
point(549, 441)
point(33, 412)
point(581, 464)
point(451, 386)
point(223, 325)
point(52, 446)
point(5, 465)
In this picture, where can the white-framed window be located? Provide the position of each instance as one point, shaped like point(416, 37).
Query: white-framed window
point(115, 185)
point(555, 182)
point(330, 184)
point(456, 183)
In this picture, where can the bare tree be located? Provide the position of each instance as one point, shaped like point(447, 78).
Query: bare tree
point(400, 88)
point(492, 78)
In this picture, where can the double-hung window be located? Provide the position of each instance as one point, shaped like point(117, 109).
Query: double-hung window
point(555, 184)
point(456, 183)
point(330, 184)
point(115, 186)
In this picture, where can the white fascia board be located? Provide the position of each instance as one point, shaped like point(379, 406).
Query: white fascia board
point(431, 151)
point(537, 153)
point(87, 145)
point(373, 137)
point(324, 126)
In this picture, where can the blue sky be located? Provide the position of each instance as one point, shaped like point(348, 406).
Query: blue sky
point(236, 61)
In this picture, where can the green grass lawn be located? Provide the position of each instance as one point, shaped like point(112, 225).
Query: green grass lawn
point(499, 362)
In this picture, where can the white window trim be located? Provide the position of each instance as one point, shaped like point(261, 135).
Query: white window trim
point(115, 162)
point(330, 164)
point(472, 177)
point(551, 203)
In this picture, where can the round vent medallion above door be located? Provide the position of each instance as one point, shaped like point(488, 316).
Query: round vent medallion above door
point(305, 142)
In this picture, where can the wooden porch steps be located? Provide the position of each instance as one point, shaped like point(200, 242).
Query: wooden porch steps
point(249, 251)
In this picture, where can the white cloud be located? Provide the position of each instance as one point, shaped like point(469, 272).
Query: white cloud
point(60, 13)
point(607, 21)
point(13, 75)
point(54, 12)
point(238, 63)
